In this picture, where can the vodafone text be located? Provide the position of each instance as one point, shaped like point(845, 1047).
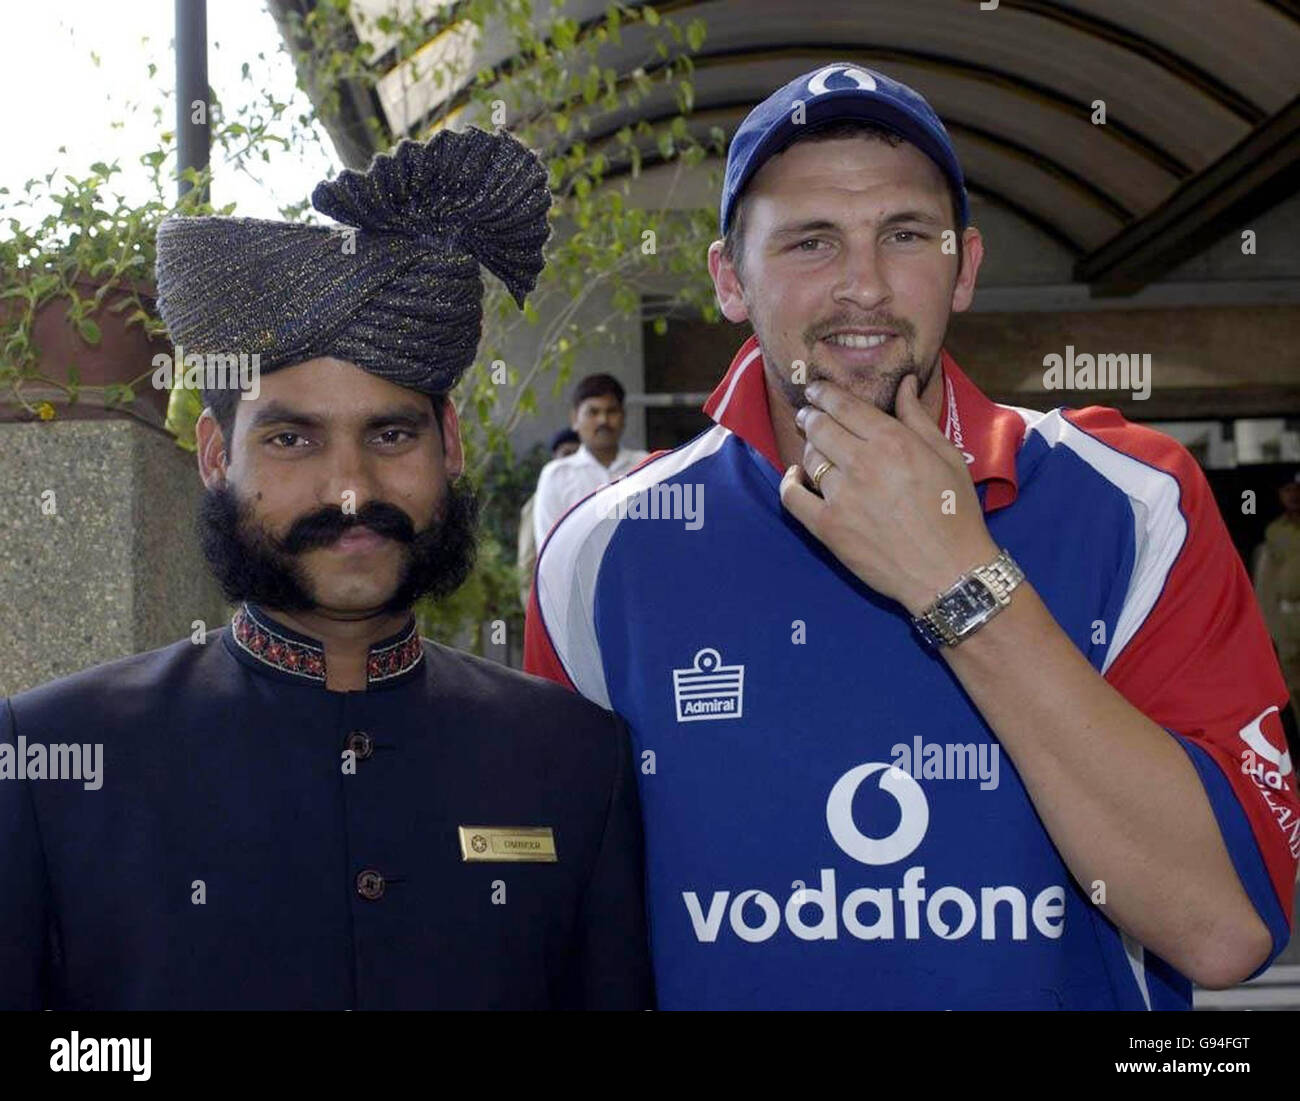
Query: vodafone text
point(869, 913)
point(1047, 912)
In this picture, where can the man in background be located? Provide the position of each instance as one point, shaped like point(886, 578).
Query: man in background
point(564, 443)
point(1277, 584)
point(598, 420)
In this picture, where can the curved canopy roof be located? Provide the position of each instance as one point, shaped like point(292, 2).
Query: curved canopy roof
point(1201, 100)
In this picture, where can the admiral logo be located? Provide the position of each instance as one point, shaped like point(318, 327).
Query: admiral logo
point(876, 913)
point(709, 689)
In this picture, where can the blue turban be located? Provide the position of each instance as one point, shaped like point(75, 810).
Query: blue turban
point(398, 294)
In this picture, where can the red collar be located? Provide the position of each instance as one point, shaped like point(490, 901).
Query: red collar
point(987, 433)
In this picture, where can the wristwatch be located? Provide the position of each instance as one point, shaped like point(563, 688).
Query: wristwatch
point(977, 597)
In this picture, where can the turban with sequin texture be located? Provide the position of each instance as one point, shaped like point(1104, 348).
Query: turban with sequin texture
point(398, 294)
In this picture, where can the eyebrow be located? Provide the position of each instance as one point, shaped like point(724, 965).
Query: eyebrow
point(811, 225)
point(276, 413)
point(818, 225)
point(923, 216)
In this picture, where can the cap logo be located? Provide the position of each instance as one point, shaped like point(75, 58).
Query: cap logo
point(860, 77)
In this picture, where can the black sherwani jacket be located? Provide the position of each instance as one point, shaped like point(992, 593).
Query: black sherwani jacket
point(237, 855)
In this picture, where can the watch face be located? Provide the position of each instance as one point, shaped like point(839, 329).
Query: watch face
point(969, 606)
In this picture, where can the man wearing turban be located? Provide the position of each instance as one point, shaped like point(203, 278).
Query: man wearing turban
point(315, 807)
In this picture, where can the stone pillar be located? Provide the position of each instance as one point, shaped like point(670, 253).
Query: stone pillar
point(98, 552)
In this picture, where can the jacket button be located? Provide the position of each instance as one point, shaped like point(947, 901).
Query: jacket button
point(370, 885)
point(361, 744)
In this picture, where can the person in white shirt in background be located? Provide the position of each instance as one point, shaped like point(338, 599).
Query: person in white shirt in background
point(564, 442)
point(598, 419)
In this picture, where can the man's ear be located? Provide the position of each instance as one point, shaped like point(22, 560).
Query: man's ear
point(453, 455)
point(573, 419)
point(726, 285)
point(972, 255)
point(213, 453)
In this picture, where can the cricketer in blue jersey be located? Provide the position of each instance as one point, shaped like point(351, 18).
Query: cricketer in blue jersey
point(937, 703)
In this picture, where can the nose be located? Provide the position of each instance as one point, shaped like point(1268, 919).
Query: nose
point(861, 281)
point(348, 477)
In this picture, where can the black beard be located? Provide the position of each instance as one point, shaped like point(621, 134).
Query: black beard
point(251, 564)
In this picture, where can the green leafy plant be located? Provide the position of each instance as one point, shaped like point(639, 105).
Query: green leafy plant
point(89, 249)
point(73, 238)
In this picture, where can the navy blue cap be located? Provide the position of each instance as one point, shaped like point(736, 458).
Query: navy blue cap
point(839, 91)
point(564, 435)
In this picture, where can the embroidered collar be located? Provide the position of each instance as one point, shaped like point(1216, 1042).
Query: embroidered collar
point(272, 644)
point(988, 434)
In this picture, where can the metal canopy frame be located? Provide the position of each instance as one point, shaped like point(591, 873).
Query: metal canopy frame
point(1205, 203)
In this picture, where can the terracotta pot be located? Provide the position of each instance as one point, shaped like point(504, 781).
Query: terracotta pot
point(122, 354)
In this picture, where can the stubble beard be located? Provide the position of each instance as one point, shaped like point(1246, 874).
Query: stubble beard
point(877, 385)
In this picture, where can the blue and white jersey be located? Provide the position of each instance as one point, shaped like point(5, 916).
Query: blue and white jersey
point(830, 823)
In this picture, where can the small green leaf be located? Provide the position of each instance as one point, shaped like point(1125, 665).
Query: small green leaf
point(89, 330)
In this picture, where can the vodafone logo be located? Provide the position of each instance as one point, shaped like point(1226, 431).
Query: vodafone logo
point(905, 791)
point(817, 82)
point(952, 429)
point(898, 905)
point(1261, 753)
point(1268, 767)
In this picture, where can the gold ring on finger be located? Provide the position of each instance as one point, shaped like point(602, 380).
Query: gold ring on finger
point(819, 474)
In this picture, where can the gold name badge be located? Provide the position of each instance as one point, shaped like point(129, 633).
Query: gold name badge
point(508, 843)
